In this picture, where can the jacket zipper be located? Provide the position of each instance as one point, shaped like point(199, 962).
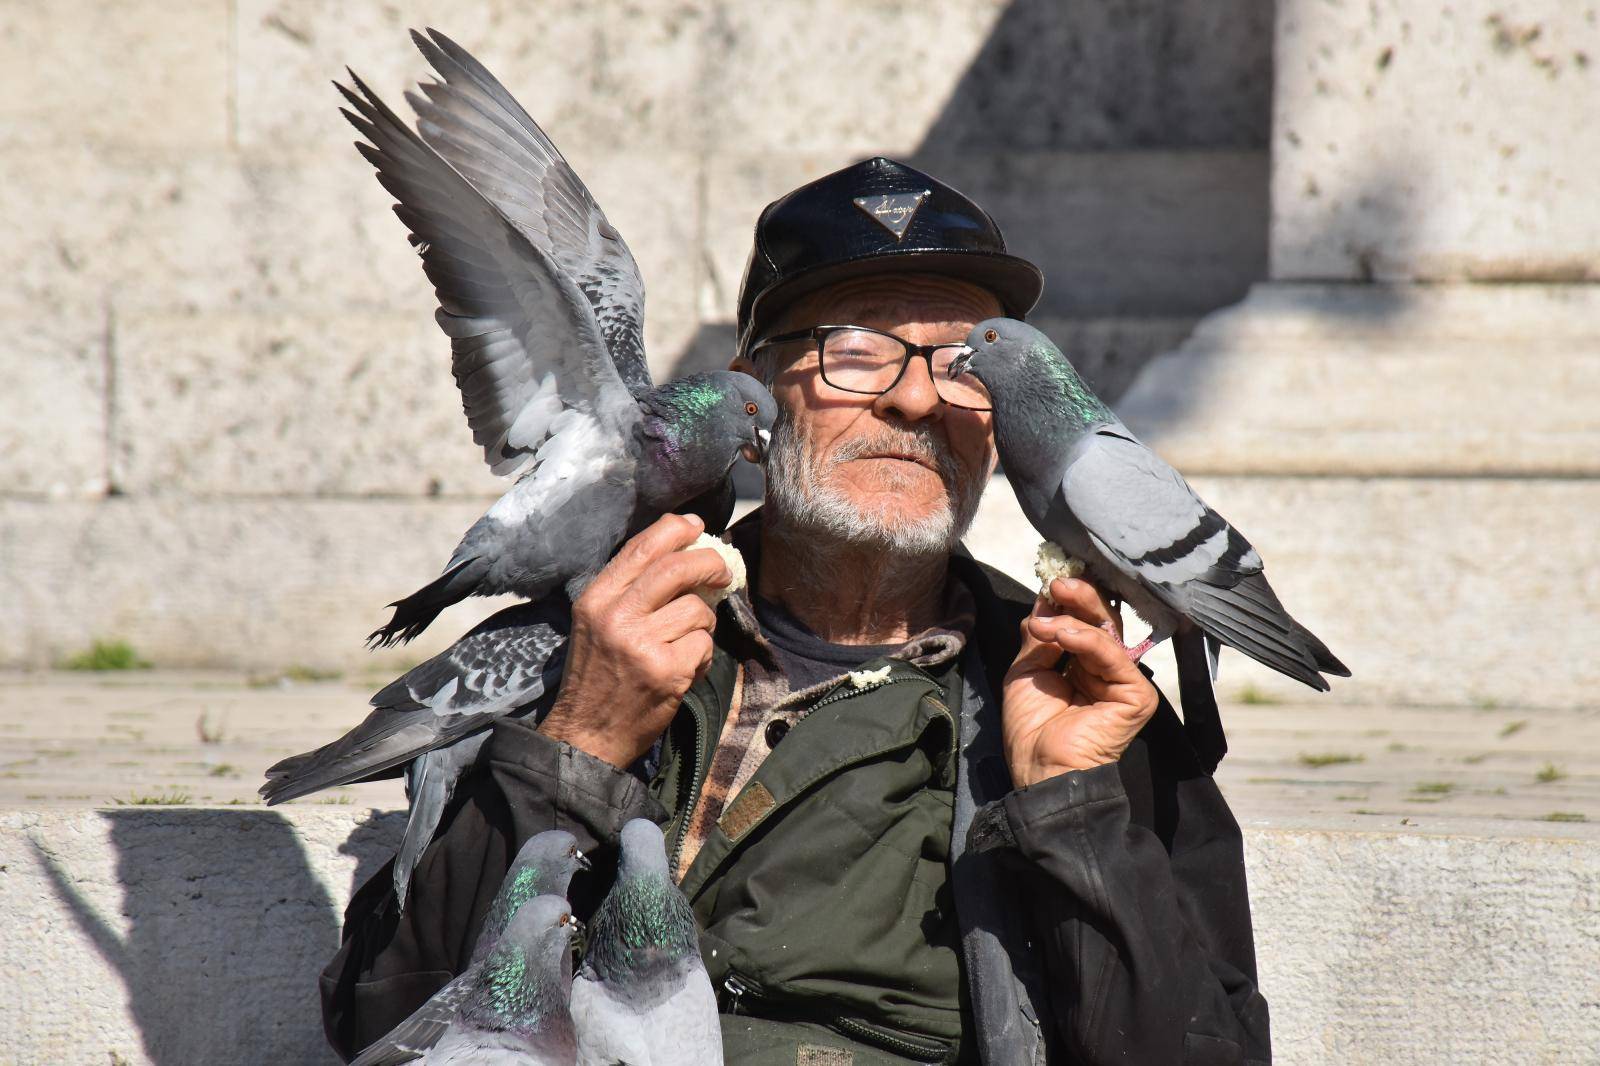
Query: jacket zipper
point(739, 988)
point(686, 809)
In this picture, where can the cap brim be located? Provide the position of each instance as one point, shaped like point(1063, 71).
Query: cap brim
point(1016, 282)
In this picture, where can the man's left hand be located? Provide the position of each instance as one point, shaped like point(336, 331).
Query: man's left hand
point(1055, 720)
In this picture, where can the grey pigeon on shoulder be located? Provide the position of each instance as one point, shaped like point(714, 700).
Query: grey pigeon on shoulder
point(512, 1006)
point(544, 308)
point(642, 996)
point(543, 866)
point(435, 720)
point(1143, 535)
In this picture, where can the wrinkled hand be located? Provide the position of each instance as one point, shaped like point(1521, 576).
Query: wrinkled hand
point(1054, 720)
point(640, 637)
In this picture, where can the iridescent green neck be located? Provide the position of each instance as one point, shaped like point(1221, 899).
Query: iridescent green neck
point(1059, 379)
point(517, 992)
point(644, 923)
point(522, 886)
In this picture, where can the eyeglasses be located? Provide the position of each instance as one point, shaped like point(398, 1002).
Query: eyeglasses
point(870, 362)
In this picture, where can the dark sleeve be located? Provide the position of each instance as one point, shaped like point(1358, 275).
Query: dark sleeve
point(1147, 929)
point(390, 963)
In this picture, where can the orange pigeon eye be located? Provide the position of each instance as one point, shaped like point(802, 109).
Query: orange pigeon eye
point(990, 335)
point(751, 408)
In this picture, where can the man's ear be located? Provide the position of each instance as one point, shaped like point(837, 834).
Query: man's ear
point(742, 365)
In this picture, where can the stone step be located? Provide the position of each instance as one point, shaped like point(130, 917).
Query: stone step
point(1408, 945)
point(1412, 380)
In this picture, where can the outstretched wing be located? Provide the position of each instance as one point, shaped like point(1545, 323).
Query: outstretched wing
point(527, 346)
point(506, 663)
point(483, 132)
point(1150, 524)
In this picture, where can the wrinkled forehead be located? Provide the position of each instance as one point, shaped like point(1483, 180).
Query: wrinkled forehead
point(893, 301)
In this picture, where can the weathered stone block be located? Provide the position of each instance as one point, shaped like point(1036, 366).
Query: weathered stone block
point(257, 584)
point(1383, 380)
point(146, 911)
point(1115, 75)
point(257, 404)
point(135, 72)
point(1116, 233)
point(53, 430)
point(1414, 947)
point(988, 75)
point(1432, 590)
point(610, 76)
point(205, 230)
point(1435, 142)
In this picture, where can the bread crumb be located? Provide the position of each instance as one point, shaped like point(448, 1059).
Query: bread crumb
point(731, 556)
point(1053, 562)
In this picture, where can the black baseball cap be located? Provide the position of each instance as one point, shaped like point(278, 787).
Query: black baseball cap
point(875, 217)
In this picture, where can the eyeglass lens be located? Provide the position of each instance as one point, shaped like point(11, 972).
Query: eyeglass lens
point(862, 361)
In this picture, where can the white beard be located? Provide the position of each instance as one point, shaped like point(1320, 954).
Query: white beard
point(804, 497)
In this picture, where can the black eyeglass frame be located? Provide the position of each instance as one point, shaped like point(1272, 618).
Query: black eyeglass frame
point(820, 334)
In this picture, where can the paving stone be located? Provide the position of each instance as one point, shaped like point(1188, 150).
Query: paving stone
point(1446, 142)
point(134, 72)
point(1489, 380)
point(53, 431)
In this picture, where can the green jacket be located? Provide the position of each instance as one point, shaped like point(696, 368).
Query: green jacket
point(1101, 915)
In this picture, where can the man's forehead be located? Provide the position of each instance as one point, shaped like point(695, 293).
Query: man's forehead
point(888, 299)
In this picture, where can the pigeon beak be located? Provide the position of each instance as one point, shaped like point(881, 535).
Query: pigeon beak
point(756, 450)
point(959, 364)
point(582, 860)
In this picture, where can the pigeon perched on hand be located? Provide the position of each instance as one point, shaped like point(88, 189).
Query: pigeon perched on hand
point(510, 1007)
point(1089, 485)
point(544, 308)
point(435, 720)
point(642, 996)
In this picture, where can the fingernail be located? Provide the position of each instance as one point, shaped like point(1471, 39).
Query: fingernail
point(696, 520)
point(1069, 583)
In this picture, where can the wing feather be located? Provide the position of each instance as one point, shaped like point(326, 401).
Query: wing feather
point(513, 315)
point(480, 129)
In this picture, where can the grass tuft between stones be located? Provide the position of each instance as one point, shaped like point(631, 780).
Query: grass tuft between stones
point(1329, 758)
point(106, 655)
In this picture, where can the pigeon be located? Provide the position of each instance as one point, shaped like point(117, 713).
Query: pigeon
point(642, 996)
point(544, 307)
point(434, 721)
point(544, 866)
point(1142, 534)
point(512, 1006)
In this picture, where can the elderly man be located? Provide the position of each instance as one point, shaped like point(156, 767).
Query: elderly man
point(921, 815)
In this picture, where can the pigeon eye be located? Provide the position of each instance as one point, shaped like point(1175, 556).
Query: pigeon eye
point(751, 408)
point(990, 335)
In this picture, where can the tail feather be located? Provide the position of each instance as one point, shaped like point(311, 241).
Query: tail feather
point(417, 611)
point(431, 785)
point(1202, 721)
point(386, 738)
point(1249, 617)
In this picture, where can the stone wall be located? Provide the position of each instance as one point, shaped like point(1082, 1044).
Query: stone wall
point(184, 936)
point(229, 433)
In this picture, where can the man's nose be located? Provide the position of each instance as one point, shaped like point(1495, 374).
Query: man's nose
point(914, 397)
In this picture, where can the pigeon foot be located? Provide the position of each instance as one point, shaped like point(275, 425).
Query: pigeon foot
point(1135, 651)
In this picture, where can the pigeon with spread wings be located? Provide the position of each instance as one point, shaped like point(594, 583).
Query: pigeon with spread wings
point(544, 306)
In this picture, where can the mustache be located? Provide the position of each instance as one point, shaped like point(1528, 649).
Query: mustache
point(920, 442)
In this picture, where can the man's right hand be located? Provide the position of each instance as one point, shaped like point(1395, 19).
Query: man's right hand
point(640, 637)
